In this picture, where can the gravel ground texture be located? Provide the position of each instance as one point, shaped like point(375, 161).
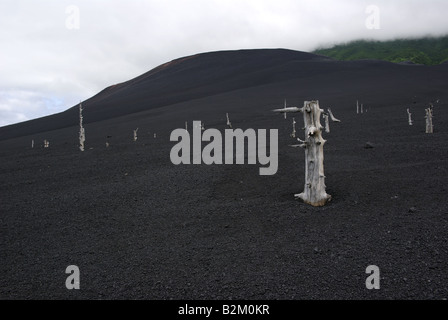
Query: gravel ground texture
point(140, 227)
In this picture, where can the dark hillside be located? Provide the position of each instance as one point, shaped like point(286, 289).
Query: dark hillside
point(140, 227)
point(177, 81)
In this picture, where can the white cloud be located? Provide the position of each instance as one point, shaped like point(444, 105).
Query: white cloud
point(47, 66)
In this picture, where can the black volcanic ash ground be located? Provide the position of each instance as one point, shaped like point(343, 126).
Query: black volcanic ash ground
point(139, 227)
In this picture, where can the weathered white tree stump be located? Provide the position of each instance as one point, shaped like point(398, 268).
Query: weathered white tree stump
point(82, 132)
point(314, 191)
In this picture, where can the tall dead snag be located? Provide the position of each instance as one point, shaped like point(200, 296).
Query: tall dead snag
point(82, 132)
point(429, 125)
point(409, 117)
point(314, 191)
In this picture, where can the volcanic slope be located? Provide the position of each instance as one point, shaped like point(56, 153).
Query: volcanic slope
point(180, 80)
point(139, 227)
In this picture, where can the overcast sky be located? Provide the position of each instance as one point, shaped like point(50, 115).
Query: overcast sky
point(54, 53)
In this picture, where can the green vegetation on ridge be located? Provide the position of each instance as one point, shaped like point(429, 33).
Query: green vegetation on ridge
point(428, 51)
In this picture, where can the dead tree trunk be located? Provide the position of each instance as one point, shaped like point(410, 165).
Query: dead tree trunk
point(82, 132)
point(293, 134)
point(429, 126)
point(314, 192)
point(409, 117)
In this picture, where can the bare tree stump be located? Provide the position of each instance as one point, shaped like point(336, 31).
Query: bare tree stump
point(82, 132)
point(314, 192)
